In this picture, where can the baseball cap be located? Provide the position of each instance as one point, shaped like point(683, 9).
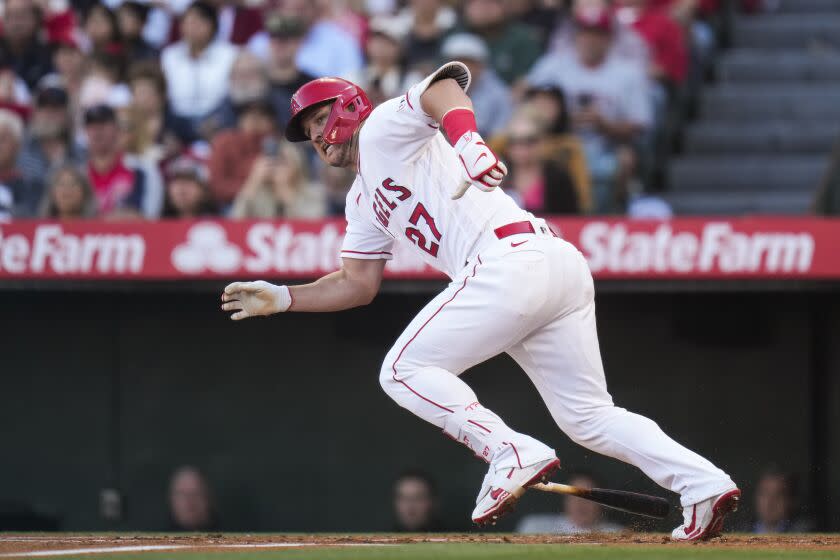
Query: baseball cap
point(465, 45)
point(387, 27)
point(98, 114)
point(285, 27)
point(594, 19)
point(185, 167)
point(51, 92)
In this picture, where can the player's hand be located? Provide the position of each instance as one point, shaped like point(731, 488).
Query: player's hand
point(481, 166)
point(252, 299)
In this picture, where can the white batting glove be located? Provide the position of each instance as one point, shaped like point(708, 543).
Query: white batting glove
point(252, 299)
point(481, 166)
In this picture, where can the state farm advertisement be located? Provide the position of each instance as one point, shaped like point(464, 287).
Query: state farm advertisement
point(686, 248)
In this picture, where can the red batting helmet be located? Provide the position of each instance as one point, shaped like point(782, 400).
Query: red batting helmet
point(350, 107)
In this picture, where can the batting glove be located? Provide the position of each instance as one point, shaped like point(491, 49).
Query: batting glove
point(252, 299)
point(481, 166)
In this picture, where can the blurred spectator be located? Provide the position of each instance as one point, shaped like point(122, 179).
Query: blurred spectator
point(664, 37)
point(285, 37)
point(827, 200)
point(238, 21)
point(425, 25)
point(490, 95)
point(102, 81)
point(579, 515)
point(548, 105)
point(140, 152)
point(49, 140)
point(775, 504)
point(278, 186)
point(384, 76)
point(102, 31)
point(513, 46)
point(187, 191)
point(248, 82)
point(148, 95)
point(609, 102)
point(337, 181)
point(416, 503)
point(197, 67)
point(538, 184)
point(191, 505)
point(233, 152)
point(540, 15)
point(119, 190)
point(30, 56)
point(14, 95)
point(132, 17)
point(68, 195)
point(69, 63)
point(19, 196)
point(326, 49)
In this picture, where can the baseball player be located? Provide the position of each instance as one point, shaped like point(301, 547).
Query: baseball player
point(515, 288)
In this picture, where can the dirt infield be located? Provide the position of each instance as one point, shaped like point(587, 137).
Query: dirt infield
point(19, 545)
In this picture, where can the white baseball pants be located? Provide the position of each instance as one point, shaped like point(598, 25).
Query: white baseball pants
point(531, 296)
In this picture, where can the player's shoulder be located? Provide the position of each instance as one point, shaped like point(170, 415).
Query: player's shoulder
point(387, 114)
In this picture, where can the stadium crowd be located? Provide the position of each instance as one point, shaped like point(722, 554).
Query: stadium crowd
point(147, 109)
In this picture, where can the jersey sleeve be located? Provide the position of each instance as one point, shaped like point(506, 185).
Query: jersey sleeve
point(363, 240)
point(399, 128)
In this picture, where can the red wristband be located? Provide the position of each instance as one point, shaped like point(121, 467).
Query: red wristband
point(456, 122)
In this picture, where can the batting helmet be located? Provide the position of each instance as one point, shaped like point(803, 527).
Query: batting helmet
point(350, 107)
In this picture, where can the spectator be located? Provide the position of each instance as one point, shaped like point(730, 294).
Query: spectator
point(233, 152)
point(664, 37)
point(775, 504)
point(187, 191)
point(827, 202)
point(384, 76)
point(425, 25)
point(49, 141)
point(119, 190)
point(239, 21)
point(20, 42)
point(609, 102)
point(548, 105)
point(14, 95)
point(191, 505)
point(490, 95)
point(143, 154)
point(102, 31)
point(248, 82)
point(132, 18)
point(541, 16)
point(197, 67)
point(513, 47)
point(69, 63)
point(579, 515)
point(148, 93)
point(326, 49)
point(539, 185)
point(285, 77)
point(278, 186)
point(68, 196)
point(19, 196)
point(416, 503)
point(337, 181)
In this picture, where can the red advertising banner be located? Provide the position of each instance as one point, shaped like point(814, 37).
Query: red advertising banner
point(683, 248)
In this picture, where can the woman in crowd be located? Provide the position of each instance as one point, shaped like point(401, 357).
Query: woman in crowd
point(538, 184)
point(278, 186)
point(69, 195)
point(187, 192)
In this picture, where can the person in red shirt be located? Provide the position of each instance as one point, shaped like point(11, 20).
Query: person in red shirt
point(118, 188)
point(663, 35)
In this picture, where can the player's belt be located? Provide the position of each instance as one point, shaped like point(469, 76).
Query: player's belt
point(514, 228)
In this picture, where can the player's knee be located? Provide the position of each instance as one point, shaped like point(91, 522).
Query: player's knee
point(386, 377)
point(584, 425)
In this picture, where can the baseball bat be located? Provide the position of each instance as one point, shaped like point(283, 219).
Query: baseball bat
point(630, 502)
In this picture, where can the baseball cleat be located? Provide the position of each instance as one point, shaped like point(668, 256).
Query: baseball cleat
point(704, 520)
point(502, 488)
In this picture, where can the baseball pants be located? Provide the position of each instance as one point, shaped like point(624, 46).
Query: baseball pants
point(534, 301)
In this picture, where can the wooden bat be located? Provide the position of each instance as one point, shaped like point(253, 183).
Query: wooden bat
point(631, 502)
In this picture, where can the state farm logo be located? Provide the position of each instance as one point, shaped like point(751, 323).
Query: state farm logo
point(207, 248)
point(717, 248)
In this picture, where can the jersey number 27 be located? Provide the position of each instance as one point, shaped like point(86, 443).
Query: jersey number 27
point(417, 236)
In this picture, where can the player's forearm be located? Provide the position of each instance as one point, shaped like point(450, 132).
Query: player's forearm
point(443, 96)
point(334, 292)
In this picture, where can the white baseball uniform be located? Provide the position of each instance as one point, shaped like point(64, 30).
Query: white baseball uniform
point(528, 294)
